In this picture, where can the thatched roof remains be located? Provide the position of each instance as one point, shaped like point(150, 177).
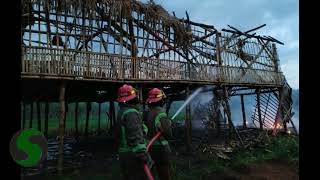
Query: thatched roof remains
point(151, 12)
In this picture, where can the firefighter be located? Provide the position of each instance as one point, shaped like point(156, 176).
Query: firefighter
point(130, 135)
point(157, 120)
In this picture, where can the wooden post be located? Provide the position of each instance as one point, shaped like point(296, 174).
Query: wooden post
point(188, 122)
point(65, 114)
point(243, 113)
point(46, 111)
point(38, 116)
point(76, 119)
point(111, 112)
point(31, 115)
point(216, 114)
point(61, 125)
point(24, 116)
point(87, 119)
point(228, 112)
point(168, 106)
point(133, 48)
point(259, 109)
point(99, 118)
point(218, 54)
point(285, 126)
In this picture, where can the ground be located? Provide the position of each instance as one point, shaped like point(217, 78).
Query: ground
point(269, 170)
point(277, 160)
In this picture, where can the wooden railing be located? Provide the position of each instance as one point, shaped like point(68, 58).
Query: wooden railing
point(78, 64)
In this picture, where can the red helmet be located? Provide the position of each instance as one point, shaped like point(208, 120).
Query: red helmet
point(126, 93)
point(155, 95)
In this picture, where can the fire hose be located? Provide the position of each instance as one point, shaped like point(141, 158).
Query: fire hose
point(145, 166)
point(156, 136)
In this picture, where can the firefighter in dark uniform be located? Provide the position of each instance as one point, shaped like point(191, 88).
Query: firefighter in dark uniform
point(130, 134)
point(157, 120)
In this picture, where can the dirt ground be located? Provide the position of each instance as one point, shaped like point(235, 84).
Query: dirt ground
point(270, 170)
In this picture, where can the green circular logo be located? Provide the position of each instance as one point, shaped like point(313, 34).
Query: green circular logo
point(28, 147)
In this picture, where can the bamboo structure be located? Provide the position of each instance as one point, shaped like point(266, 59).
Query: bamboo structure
point(76, 48)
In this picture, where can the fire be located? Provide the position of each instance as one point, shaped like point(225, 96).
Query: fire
point(278, 126)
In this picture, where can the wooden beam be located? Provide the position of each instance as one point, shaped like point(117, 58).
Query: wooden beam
point(61, 125)
point(144, 27)
point(177, 47)
point(197, 24)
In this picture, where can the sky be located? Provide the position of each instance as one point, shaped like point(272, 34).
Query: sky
point(280, 16)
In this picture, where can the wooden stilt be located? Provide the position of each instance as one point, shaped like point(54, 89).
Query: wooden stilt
point(46, 111)
point(76, 119)
point(259, 109)
point(24, 116)
point(39, 116)
point(99, 118)
point(243, 113)
point(168, 106)
point(31, 115)
point(87, 119)
point(111, 113)
point(228, 112)
point(188, 122)
point(65, 114)
point(61, 126)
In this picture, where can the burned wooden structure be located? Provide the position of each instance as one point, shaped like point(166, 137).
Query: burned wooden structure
point(82, 51)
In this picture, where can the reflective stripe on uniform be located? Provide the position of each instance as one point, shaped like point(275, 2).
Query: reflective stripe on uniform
point(161, 140)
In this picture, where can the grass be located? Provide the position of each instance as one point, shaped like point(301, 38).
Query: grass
point(285, 148)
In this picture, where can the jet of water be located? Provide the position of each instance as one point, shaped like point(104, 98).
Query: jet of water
point(194, 94)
